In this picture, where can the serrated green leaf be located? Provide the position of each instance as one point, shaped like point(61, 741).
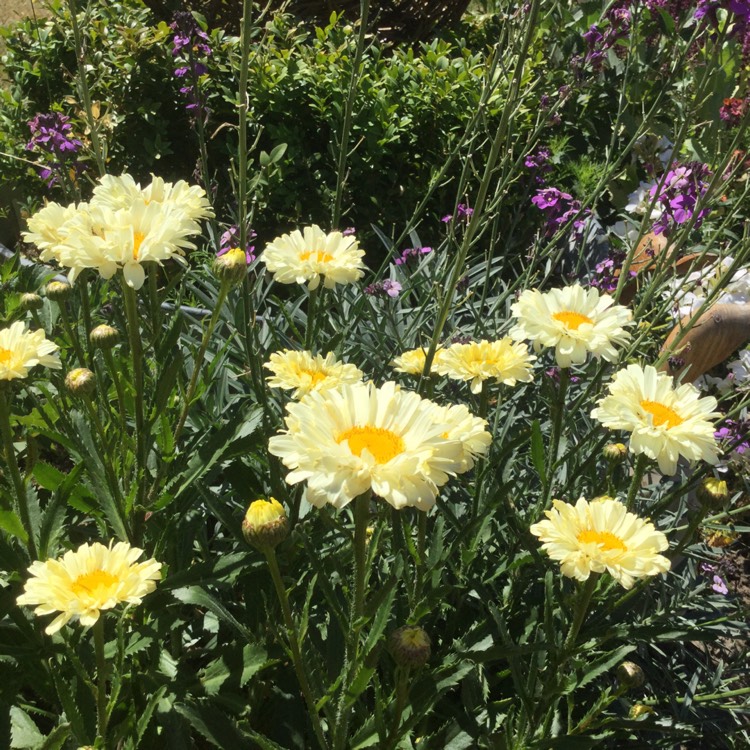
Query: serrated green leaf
point(24, 733)
point(11, 524)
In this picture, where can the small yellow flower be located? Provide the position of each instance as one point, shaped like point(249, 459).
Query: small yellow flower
point(591, 537)
point(504, 361)
point(20, 350)
point(573, 320)
point(93, 578)
point(311, 255)
point(304, 372)
point(411, 362)
point(665, 422)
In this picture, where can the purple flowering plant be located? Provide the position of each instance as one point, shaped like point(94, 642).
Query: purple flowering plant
point(190, 48)
point(678, 194)
point(52, 138)
point(559, 209)
point(231, 239)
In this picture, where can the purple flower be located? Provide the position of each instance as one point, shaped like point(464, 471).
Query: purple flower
point(593, 36)
point(231, 239)
point(462, 212)
point(560, 209)
point(735, 434)
point(733, 110)
point(719, 585)
point(51, 137)
point(385, 288)
point(411, 255)
point(190, 44)
point(348, 231)
point(677, 194)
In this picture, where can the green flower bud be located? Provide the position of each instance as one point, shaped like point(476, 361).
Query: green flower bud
point(232, 266)
point(630, 675)
point(58, 291)
point(80, 382)
point(30, 301)
point(265, 525)
point(410, 646)
point(615, 453)
point(104, 337)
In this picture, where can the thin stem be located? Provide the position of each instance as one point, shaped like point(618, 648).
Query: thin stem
point(558, 418)
point(639, 470)
point(102, 716)
point(85, 93)
point(311, 310)
point(349, 107)
point(72, 334)
point(361, 514)
point(22, 503)
point(114, 373)
point(582, 606)
point(402, 693)
point(294, 645)
point(136, 353)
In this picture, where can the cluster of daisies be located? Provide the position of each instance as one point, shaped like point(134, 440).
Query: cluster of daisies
point(344, 437)
point(123, 226)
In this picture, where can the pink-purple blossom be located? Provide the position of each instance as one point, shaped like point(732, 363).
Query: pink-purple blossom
point(51, 136)
point(678, 194)
point(385, 288)
point(190, 46)
point(231, 239)
point(559, 209)
point(411, 255)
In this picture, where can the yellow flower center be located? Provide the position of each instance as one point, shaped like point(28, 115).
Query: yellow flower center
point(318, 255)
point(661, 414)
point(315, 375)
point(605, 539)
point(96, 584)
point(572, 320)
point(382, 444)
point(138, 238)
point(5, 355)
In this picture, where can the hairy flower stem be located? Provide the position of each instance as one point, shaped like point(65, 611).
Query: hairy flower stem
point(114, 373)
point(639, 470)
point(21, 499)
point(351, 656)
point(402, 694)
point(102, 715)
point(136, 354)
point(312, 305)
point(84, 86)
point(72, 335)
point(348, 109)
point(581, 608)
point(86, 310)
point(294, 646)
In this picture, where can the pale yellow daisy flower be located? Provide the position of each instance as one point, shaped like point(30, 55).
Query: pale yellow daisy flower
point(411, 362)
point(20, 350)
point(665, 422)
point(311, 255)
point(601, 535)
point(471, 431)
point(347, 440)
point(573, 320)
point(304, 372)
point(82, 583)
point(504, 361)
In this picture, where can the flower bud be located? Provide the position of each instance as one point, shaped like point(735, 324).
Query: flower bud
point(630, 675)
point(615, 453)
point(712, 491)
point(410, 646)
point(30, 301)
point(232, 266)
point(80, 382)
point(639, 709)
point(104, 337)
point(58, 291)
point(265, 525)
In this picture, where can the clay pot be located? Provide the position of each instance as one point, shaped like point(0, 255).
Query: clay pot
point(716, 335)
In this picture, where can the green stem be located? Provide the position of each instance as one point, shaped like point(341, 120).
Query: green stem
point(421, 545)
point(72, 334)
point(102, 717)
point(294, 645)
point(136, 353)
point(641, 463)
point(402, 694)
point(311, 310)
point(558, 419)
point(114, 373)
point(85, 93)
point(86, 310)
point(361, 515)
point(582, 606)
point(349, 108)
point(22, 503)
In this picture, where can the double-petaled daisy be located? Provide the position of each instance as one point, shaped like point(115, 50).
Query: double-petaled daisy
point(20, 350)
point(503, 361)
point(591, 537)
point(665, 422)
point(82, 583)
point(310, 256)
point(573, 320)
point(354, 438)
point(303, 372)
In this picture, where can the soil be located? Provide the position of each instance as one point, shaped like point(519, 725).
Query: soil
point(15, 10)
